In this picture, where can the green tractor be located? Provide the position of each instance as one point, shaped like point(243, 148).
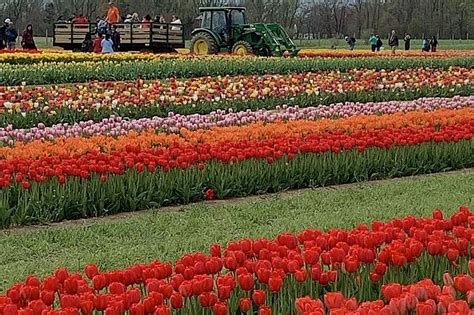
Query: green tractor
point(225, 29)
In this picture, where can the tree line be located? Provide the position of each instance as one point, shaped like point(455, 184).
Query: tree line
point(326, 18)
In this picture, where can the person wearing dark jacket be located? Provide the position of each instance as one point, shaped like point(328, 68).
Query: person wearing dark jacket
point(10, 35)
point(393, 42)
point(379, 43)
point(434, 44)
point(87, 44)
point(426, 45)
point(27, 40)
point(351, 41)
point(3, 29)
point(116, 38)
point(407, 40)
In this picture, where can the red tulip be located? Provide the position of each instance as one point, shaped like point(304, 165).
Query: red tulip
point(470, 297)
point(463, 283)
point(470, 265)
point(351, 304)
point(245, 304)
point(224, 292)
point(176, 301)
point(333, 300)
point(48, 297)
point(453, 254)
point(99, 282)
point(259, 297)
point(438, 214)
point(316, 273)
point(301, 275)
point(220, 308)
point(458, 307)
point(216, 250)
point(207, 299)
point(10, 309)
point(91, 271)
point(209, 194)
point(162, 310)
point(87, 307)
point(311, 256)
point(447, 279)
point(37, 307)
point(425, 308)
point(264, 310)
point(134, 296)
point(116, 288)
point(275, 283)
point(391, 291)
point(246, 281)
point(137, 309)
point(149, 305)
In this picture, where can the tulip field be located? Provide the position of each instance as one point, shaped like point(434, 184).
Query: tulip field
point(85, 136)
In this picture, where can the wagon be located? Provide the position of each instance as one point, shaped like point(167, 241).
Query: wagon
point(156, 37)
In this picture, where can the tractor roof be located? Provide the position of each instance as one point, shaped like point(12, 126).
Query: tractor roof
point(203, 9)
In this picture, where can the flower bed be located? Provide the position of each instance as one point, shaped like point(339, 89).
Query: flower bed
point(166, 67)
point(401, 266)
point(19, 57)
point(28, 106)
point(76, 177)
point(174, 123)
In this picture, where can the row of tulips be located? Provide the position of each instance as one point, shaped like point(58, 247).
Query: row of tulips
point(275, 157)
point(396, 267)
point(253, 131)
point(326, 53)
point(455, 296)
point(120, 126)
point(25, 106)
point(32, 57)
point(72, 72)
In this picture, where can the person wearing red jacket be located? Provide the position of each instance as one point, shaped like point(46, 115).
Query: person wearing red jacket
point(27, 40)
point(97, 45)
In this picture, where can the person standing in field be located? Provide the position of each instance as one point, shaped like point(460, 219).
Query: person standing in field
point(3, 29)
point(116, 38)
point(97, 45)
point(27, 40)
point(10, 35)
point(407, 40)
point(434, 44)
point(113, 14)
point(107, 44)
point(87, 45)
point(393, 41)
point(379, 43)
point(425, 47)
point(373, 42)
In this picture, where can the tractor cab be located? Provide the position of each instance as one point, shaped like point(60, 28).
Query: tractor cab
point(226, 29)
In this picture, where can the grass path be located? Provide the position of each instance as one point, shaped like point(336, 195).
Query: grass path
point(119, 242)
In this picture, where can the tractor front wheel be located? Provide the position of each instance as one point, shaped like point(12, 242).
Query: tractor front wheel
point(203, 44)
point(242, 48)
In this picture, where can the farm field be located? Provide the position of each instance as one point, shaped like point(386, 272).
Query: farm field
point(324, 43)
point(100, 157)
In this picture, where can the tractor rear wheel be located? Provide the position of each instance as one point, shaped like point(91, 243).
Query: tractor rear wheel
point(242, 48)
point(203, 44)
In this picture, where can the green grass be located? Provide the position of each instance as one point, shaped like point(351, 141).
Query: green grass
point(141, 237)
point(444, 44)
